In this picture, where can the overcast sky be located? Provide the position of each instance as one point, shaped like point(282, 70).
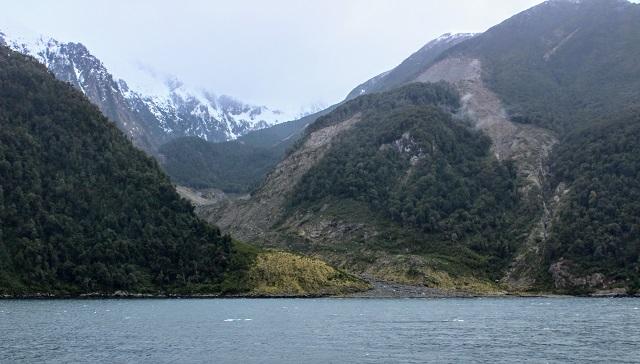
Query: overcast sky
point(285, 54)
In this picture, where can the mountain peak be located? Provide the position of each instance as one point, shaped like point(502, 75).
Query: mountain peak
point(447, 37)
point(152, 109)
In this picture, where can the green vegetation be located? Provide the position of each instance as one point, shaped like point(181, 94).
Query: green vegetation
point(281, 274)
point(599, 228)
point(230, 166)
point(439, 94)
point(560, 64)
point(430, 176)
point(567, 66)
point(235, 166)
point(81, 210)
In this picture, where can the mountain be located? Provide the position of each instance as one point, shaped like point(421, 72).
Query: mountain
point(409, 68)
point(529, 181)
point(241, 165)
point(236, 166)
point(82, 211)
point(373, 178)
point(157, 110)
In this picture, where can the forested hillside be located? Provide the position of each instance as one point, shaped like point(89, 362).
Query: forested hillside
point(547, 201)
point(81, 209)
point(397, 174)
point(235, 166)
point(599, 228)
point(411, 163)
point(230, 166)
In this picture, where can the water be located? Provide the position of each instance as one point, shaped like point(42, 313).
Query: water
point(306, 331)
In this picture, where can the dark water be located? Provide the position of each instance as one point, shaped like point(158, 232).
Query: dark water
point(321, 330)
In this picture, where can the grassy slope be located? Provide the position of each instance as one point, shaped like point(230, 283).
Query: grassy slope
point(278, 273)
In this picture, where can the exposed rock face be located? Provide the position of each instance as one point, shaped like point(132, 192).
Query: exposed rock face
point(564, 279)
point(529, 262)
point(528, 145)
point(251, 219)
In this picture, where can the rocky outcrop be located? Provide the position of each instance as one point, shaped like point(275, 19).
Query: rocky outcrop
point(564, 278)
point(529, 264)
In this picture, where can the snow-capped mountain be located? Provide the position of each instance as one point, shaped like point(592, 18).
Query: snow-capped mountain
point(151, 112)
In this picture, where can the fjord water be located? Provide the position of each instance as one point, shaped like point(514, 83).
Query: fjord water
point(321, 330)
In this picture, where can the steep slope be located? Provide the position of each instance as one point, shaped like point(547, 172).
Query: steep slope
point(389, 184)
point(150, 113)
point(83, 211)
point(528, 83)
point(595, 241)
point(563, 62)
point(541, 85)
point(409, 69)
point(559, 66)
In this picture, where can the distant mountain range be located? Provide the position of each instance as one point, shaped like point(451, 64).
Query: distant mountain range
point(153, 113)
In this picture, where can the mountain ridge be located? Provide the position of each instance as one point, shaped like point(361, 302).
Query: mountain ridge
point(171, 110)
point(539, 89)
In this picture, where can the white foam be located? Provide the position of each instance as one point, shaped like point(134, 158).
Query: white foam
point(236, 319)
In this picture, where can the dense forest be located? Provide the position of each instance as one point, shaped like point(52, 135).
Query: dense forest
point(230, 166)
point(422, 169)
point(235, 166)
point(572, 67)
point(82, 210)
point(599, 228)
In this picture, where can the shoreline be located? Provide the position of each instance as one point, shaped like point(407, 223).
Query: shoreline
point(433, 293)
point(379, 290)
